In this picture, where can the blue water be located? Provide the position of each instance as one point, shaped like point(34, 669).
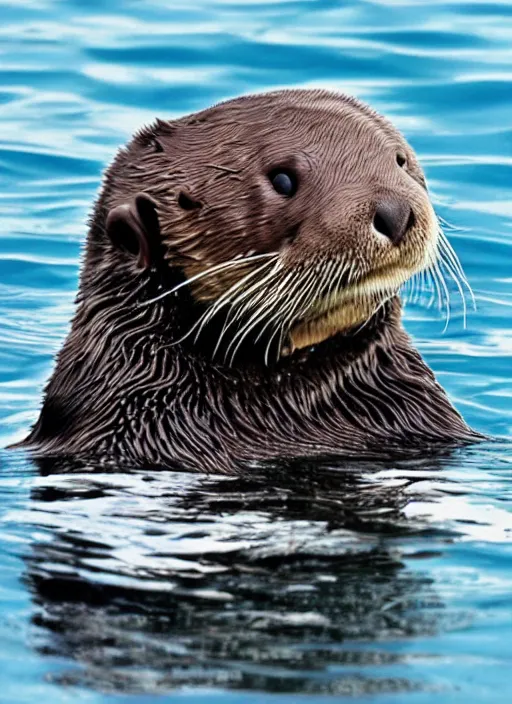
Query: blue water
point(388, 584)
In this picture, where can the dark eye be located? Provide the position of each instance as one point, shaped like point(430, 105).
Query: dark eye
point(401, 159)
point(284, 182)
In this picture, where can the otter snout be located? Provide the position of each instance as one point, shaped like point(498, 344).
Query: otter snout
point(393, 218)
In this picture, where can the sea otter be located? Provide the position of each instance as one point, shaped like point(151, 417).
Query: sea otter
point(238, 295)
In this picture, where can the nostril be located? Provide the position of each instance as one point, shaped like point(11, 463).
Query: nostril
point(393, 218)
point(382, 226)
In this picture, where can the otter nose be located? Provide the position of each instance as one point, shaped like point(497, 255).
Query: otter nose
point(393, 217)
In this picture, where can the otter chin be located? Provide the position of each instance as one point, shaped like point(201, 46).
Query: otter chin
point(354, 305)
point(239, 295)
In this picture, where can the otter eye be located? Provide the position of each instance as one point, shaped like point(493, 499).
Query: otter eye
point(401, 159)
point(284, 182)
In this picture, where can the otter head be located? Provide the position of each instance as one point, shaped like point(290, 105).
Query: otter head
point(294, 214)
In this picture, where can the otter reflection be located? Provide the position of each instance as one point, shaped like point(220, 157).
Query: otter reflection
point(151, 581)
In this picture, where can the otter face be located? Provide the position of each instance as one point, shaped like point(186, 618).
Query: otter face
point(302, 211)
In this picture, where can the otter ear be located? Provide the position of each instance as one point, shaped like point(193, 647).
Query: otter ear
point(134, 228)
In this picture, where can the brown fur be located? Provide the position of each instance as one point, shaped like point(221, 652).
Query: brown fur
point(321, 364)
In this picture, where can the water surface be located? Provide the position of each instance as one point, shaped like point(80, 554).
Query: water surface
point(387, 583)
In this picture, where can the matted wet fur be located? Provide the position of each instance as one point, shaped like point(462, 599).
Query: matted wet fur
point(238, 294)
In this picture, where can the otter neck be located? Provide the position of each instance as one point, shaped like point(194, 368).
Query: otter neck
point(125, 390)
point(122, 308)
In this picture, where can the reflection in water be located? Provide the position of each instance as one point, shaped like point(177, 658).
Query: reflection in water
point(284, 580)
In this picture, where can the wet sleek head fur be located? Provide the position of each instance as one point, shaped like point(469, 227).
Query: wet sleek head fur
point(309, 263)
point(238, 295)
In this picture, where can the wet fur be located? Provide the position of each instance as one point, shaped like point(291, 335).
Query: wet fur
point(131, 387)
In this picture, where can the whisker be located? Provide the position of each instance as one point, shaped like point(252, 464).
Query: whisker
point(280, 343)
point(220, 302)
point(259, 292)
point(429, 280)
point(247, 293)
point(459, 287)
point(450, 226)
point(232, 263)
point(269, 343)
point(306, 298)
point(380, 305)
point(271, 311)
point(446, 242)
point(438, 292)
point(455, 262)
point(288, 307)
point(225, 299)
point(438, 275)
point(407, 290)
point(241, 334)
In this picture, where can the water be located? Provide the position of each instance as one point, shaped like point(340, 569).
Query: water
point(388, 583)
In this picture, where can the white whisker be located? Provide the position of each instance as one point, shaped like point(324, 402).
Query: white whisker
point(441, 280)
point(451, 256)
point(225, 299)
point(230, 264)
point(459, 287)
point(220, 302)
